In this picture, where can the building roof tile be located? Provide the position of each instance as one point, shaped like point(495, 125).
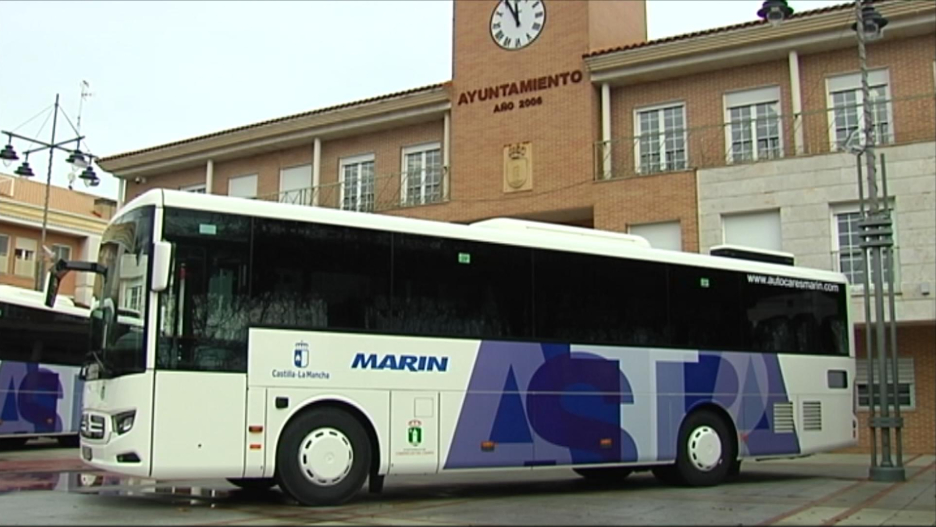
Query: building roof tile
point(715, 30)
point(278, 120)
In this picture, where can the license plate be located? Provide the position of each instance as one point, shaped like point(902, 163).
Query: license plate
point(86, 453)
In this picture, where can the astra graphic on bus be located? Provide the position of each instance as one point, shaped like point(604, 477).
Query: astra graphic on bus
point(429, 347)
point(41, 352)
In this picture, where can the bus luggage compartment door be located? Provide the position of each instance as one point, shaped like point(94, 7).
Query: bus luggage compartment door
point(414, 432)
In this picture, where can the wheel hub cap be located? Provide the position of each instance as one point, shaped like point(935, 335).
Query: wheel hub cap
point(705, 448)
point(325, 456)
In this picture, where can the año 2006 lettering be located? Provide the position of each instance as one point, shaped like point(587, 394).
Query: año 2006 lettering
point(535, 101)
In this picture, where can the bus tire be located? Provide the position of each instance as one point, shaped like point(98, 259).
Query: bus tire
point(705, 451)
point(253, 484)
point(604, 474)
point(323, 457)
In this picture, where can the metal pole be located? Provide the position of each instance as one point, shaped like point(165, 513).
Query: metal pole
point(40, 254)
point(872, 408)
point(877, 230)
point(892, 326)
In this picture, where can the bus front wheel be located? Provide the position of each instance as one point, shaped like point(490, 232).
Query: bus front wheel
point(705, 451)
point(323, 457)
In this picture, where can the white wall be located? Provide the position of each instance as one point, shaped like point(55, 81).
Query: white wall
point(806, 190)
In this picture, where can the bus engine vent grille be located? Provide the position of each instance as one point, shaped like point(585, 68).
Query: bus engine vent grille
point(783, 417)
point(812, 415)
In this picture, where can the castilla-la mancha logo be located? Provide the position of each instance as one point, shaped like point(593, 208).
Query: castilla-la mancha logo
point(301, 355)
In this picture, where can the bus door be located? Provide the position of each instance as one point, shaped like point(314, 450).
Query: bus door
point(201, 377)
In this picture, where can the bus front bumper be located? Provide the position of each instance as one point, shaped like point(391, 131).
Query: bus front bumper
point(104, 448)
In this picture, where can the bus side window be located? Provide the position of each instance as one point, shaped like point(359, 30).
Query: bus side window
point(317, 276)
point(593, 299)
point(206, 307)
point(706, 309)
point(461, 288)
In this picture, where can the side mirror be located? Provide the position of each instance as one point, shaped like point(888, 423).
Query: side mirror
point(60, 269)
point(162, 258)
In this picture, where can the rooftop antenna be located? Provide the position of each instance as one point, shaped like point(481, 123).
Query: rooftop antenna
point(84, 95)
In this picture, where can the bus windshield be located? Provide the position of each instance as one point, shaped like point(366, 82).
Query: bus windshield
point(118, 344)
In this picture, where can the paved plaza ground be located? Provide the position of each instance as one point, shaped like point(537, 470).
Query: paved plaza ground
point(44, 484)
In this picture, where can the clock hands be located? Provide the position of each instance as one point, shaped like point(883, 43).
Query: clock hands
point(513, 11)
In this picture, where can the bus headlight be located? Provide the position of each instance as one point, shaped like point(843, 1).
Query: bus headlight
point(123, 422)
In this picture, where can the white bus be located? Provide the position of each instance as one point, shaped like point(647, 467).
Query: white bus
point(41, 352)
point(320, 349)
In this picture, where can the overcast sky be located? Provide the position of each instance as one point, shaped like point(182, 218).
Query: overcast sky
point(164, 71)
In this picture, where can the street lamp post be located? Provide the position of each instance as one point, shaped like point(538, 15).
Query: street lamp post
point(877, 241)
point(76, 158)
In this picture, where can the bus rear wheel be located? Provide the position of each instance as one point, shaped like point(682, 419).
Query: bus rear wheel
point(604, 474)
point(323, 457)
point(705, 452)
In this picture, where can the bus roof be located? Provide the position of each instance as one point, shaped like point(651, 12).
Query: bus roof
point(499, 230)
point(36, 299)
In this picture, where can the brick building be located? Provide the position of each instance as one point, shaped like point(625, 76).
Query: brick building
point(75, 223)
point(738, 134)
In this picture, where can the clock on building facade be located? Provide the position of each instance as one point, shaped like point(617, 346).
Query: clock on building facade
point(515, 24)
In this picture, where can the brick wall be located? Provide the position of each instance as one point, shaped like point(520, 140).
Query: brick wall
point(8, 277)
point(919, 432)
point(650, 199)
point(910, 65)
point(703, 98)
point(387, 148)
point(168, 180)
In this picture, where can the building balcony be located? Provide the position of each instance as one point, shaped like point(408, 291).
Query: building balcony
point(372, 193)
point(762, 135)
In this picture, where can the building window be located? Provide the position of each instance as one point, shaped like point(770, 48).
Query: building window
point(846, 104)
point(759, 230)
point(422, 174)
point(295, 185)
point(846, 240)
point(198, 188)
point(61, 252)
point(662, 235)
point(357, 183)
point(661, 138)
point(25, 257)
point(905, 383)
point(133, 295)
point(753, 119)
point(243, 186)
point(4, 254)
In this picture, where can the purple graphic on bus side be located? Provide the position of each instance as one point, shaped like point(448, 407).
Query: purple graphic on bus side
point(29, 399)
point(545, 404)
